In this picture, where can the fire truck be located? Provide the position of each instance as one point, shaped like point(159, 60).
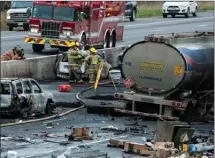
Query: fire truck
point(58, 24)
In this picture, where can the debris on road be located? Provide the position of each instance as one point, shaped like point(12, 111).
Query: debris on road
point(80, 134)
point(51, 125)
point(173, 139)
point(11, 154)
point(117, 143)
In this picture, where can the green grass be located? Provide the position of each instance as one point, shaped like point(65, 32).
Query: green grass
point(3, 21)
point(149, 12)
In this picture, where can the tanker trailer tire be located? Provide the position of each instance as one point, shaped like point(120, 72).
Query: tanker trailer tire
point(187, 115)
point(37, 48)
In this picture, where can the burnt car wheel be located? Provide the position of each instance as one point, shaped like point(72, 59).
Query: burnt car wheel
point(49, 108)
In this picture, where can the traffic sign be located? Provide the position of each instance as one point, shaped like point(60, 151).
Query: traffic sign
point(128, 82)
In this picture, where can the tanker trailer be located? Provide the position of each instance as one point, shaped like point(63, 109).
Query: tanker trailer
point(168, 75)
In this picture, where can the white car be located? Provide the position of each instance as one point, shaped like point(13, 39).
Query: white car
point(185, 8)
point(62, 67)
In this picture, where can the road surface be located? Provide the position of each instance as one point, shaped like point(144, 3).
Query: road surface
point(134, 31)
point(80, 118)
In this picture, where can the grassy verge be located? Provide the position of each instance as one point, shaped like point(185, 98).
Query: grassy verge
point(149, 9)
point(3, 21)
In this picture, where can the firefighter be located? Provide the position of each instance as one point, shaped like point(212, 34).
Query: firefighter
point(75, 60)
point(93, 60)
point(16, 53)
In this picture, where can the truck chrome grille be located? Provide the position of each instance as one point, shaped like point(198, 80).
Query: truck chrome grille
point(19, 15)
point(50, 29)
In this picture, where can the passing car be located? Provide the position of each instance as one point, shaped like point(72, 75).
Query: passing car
point(131, 10)
point(19, 14)
point(174, 8)
point(24, 97)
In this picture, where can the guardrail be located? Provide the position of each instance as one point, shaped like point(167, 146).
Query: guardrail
point(43, 68)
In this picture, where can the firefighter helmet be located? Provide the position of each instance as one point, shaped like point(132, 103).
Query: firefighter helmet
point(18, 49)
point(72, 44)
point(93, 50)
point(77, 44)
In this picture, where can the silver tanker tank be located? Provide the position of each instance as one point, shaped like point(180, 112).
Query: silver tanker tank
point(161, 67)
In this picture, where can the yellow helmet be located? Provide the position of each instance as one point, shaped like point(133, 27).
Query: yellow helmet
point(93, 50)
point(72, 44)
point(77, 44)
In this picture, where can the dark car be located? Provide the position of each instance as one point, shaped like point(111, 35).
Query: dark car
point(131, 10)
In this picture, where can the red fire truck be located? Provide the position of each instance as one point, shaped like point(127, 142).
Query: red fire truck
point(57, 24)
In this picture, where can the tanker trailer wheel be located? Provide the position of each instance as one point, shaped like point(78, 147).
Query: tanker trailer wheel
point(37, 48)
point(189, 112)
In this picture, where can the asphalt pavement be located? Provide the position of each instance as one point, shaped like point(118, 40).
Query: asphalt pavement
point(133, 31)
point(35, 146)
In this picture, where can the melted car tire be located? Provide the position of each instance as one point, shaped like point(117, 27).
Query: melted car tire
point(48, 110)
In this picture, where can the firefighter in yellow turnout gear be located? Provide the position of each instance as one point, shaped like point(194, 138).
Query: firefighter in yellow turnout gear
point(75, 60)
point(93, 60)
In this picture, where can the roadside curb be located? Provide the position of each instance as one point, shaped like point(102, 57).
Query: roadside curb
point(42, 119)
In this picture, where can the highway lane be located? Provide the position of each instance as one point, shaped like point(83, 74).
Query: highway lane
point(134, 31)
point(79, 119)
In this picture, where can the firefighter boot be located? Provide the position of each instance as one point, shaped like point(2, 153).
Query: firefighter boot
point(91, 78)
point(72, 81)
point(80, 81)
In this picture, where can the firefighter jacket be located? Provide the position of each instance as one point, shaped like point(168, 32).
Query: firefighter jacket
point(93, 59)
point(10, 55)
point(75, 58)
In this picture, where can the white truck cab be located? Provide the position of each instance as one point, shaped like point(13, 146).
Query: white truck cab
point(179, 8)
point(19, 14)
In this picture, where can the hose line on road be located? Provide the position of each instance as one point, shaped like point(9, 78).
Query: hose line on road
point(89, 88)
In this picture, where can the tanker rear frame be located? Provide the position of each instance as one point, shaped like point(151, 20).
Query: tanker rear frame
point(171, 105)
point(166, 107)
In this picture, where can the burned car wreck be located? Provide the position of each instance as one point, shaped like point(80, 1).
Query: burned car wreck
point(62, 67)
point(23, 97)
